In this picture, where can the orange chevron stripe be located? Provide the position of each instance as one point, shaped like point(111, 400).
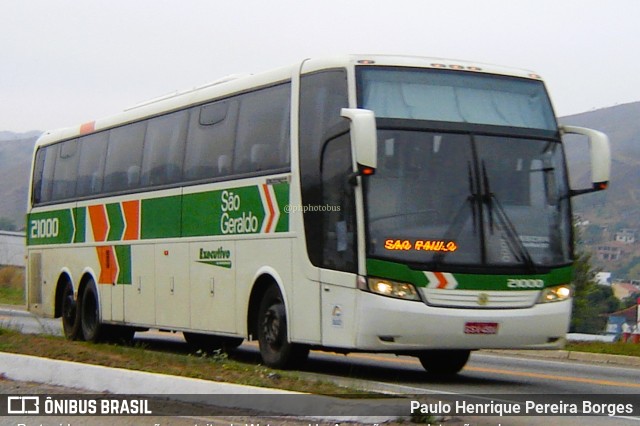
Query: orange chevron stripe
point(272, 211)
point(99, 222)
point(131, 211)
point(442, 280)
point(108, 265)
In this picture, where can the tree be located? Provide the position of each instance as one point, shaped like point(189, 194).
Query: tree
point(630, 301)
point(591, 301)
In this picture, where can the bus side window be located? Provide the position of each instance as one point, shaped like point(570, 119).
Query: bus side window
point(93, 154)
point(44, 187)
point(164, 149)
point(66, 170)
point(338, 208)
point(211, 134)
point(262, 140)
point(125, 150)
point(38, 172)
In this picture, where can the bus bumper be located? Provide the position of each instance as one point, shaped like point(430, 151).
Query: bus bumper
point(387, 324)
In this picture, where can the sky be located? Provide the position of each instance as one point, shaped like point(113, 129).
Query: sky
point(65, 62)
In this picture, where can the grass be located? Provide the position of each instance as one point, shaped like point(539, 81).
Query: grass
point(216, 367)
point(617, 348)
point(12, 285)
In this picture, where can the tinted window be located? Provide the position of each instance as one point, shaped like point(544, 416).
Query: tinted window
point(124, 155)
point(164, 149)
point(93, 155)
point(322, 96)
point(38, 170)
point(211, 139)
point(338, 213)
point(66, 168)
point(262, 140)
point(47, 157)
point(461, 97)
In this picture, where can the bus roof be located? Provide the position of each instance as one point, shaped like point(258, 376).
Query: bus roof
point(238, 83)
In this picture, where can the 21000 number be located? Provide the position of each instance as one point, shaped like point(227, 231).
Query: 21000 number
point(45, 228)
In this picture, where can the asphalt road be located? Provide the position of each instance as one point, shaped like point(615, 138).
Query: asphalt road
point(488, 375)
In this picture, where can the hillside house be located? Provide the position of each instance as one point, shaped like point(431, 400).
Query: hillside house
point(626, 236)
point(12, 248)
point(622, 290)
point(612, 251)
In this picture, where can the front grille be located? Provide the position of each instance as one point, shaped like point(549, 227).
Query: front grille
point(479, 299)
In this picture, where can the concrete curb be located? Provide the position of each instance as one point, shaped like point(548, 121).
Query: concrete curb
point(99, 379)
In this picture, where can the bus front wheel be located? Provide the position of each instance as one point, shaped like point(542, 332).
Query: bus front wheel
point(275, 348)
point(444, 362)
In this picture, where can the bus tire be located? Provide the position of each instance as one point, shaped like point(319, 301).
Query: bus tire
point(70, 314)
point(92, 328)
point(444, 362)
point(275, 349)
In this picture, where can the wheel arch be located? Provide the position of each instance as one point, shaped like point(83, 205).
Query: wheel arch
point(264, 278)
point(88, 275)
point(63, 278)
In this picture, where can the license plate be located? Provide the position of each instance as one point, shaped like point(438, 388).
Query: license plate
point(481, 328)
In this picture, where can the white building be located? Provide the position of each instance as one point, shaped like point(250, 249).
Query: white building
point(603, 278)
point(12, 248)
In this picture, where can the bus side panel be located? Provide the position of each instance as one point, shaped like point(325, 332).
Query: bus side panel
point(172, 293)
point(34, 284)
point(213, 286)
point(338, 309)
point(257, 257)
point(305, 300)
point(139, 297)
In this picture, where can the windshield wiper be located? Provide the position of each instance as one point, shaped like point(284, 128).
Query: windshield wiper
point(513, 240)
point(453, 231)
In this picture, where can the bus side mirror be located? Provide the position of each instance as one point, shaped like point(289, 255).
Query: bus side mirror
point(600, 153)
point(364, 138)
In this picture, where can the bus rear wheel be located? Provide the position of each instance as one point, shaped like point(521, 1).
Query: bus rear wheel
point(92, 328)
point(275, 348)
point(70, 314)
point(444, 362)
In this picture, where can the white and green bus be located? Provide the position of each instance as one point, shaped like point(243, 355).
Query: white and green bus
point(363, 203)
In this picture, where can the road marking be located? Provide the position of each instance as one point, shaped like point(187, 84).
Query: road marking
point(555, 377)
point(508, 372)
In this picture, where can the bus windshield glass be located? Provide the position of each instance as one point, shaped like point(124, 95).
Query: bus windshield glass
point(470, 171)
point(439, 200)
point(455, 96)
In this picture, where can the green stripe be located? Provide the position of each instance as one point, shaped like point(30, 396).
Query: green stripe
point(281, 190)
point(54, 227)
point(81, 224)
point(223, 212)
point(123, 254)
point(116, 222)
point(401, 272)
point(160, 217)
point(208, 213)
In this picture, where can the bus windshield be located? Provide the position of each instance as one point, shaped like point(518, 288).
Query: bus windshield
point(451, 199)
point(455, 96)
point(471, 173)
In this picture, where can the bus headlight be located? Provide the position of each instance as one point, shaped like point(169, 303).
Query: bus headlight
point(556, 294)
point(391, 288)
